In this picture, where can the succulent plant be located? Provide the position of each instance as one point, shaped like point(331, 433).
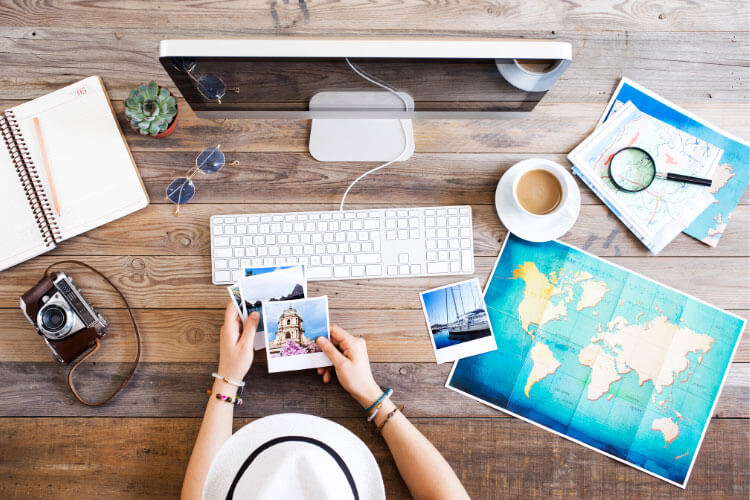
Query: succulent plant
point(150, 108)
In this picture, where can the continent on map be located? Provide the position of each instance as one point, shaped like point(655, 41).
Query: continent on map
point(604, 370)
point(545, 364)
point(669, 429)
point(723, 173)
point(665, 357)
point(593, 293)
point(536, 295)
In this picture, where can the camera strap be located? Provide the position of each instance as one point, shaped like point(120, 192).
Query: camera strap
point(48, 273)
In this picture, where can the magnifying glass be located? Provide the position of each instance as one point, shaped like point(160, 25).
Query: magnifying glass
point(632, 170)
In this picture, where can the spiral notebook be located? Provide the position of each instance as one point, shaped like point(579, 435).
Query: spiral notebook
point(64, 169)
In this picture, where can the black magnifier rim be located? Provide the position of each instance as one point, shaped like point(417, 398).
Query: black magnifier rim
point(617, 184)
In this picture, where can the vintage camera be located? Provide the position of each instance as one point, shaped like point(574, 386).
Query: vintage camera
point(66, 321)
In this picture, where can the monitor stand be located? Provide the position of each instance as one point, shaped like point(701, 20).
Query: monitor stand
point(360, 139)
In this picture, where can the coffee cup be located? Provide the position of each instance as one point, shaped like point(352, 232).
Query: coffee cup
point(540, 191)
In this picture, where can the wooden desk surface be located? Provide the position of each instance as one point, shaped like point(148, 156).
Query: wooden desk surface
point(693, 53)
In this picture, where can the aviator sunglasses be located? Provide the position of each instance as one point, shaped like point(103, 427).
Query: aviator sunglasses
point(182, 189)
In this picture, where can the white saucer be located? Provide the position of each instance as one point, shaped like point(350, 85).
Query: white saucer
point(526, 226)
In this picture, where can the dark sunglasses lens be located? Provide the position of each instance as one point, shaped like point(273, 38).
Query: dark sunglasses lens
point(181, 191)
point(211, 87)
point(210, 161)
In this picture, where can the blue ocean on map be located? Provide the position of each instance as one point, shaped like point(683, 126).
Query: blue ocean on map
point(601, 355)
point(734, 164)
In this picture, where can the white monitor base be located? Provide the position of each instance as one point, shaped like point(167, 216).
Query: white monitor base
point(360, 139)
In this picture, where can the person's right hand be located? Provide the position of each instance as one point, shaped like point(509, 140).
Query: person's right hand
point(349, 357)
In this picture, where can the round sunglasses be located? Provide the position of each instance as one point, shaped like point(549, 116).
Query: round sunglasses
point(211, 87)
point(182, 189)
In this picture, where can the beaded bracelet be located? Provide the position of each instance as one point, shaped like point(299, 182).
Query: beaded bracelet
point(388, 418)
point(229, 399)
point(386, 394)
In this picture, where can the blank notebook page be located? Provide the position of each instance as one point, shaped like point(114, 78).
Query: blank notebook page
point(20, 235)
point(91, 168)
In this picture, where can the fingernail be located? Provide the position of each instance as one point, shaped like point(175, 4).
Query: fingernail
point(322, 339)
point(255, 315)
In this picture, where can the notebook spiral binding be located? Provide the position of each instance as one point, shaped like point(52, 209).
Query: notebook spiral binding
point(32, 183)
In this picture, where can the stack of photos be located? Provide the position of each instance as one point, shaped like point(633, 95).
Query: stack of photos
point(457, 318)
point(292, 328)
point(266, 284)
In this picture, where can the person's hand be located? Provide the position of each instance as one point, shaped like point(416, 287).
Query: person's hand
point(236, 349)
point(349, 357)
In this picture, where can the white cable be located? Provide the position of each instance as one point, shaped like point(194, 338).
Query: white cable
point(407, 107)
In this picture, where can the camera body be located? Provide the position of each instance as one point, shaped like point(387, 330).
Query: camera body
point(68, 324)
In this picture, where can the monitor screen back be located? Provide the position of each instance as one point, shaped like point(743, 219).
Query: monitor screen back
point(265, 86)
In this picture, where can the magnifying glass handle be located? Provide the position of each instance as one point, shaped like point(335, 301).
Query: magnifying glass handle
point(689, 179)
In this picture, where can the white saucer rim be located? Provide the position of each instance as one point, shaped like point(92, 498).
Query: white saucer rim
point(511, 220)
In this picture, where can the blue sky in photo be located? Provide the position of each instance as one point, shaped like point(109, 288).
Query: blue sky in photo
point(314, 314)
point(434, 301)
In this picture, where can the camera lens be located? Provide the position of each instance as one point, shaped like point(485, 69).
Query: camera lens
point(53, 318)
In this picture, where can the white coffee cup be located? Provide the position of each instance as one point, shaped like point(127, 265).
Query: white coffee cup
point(559, 173)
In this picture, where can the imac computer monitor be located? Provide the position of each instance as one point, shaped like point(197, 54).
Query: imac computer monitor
point(363, 93)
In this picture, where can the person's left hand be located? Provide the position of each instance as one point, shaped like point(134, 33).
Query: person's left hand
point(236, 349)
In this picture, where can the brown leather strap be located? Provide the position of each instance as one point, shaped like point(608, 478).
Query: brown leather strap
point(127, 378)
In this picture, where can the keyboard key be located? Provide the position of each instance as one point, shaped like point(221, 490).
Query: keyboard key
point(369, 258)
point(218, 230)
point(221, 242)
point(358, 271)
point(416, 269)
point(455, 267)
point(372, 224)
point(438, 267)
point(341, 271)
point(392, 270)
point(466, 260)
point(222, 252)
point(403, 269)
point(350, 259)
point(222, 276)
point(466, 243)
point(220, 264)
point(374, 270)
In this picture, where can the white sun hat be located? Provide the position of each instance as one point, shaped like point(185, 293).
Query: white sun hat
point(297, 456)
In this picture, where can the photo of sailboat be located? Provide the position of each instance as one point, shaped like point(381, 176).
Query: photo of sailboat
point(456, 314)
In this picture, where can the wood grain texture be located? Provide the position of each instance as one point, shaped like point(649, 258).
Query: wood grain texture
point(494, 458)
point(39, 389)
point(192, 335)
point(462, 16)
point(715, 61)
point(184, 282)
point(693, 53)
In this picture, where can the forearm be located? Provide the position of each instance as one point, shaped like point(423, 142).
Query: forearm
point(424, 470)
point(216, 428)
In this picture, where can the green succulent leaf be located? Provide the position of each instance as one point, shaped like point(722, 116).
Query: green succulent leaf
point(150, 108)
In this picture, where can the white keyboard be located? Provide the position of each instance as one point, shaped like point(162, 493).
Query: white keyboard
point(349, 244)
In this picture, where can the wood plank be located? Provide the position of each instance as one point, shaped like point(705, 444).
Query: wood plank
point(191, 335)
point(597, 231)
point(464, 16)
point(184, 282)
point(37, 389)
point(146, 458)
point(716, 62)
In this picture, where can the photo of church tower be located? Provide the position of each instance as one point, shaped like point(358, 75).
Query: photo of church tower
point(290, 328)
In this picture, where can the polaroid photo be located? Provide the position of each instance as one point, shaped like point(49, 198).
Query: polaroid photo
point(236, 296)
point(254, 271)
point(291, 328)
point(458, 321)
point(273, 285)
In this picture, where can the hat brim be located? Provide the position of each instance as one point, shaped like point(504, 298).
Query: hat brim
point(242, 444)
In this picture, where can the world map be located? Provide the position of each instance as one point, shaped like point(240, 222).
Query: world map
point(601, 355)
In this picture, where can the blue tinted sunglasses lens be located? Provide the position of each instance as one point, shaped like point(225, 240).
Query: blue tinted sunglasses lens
point(210, 161)
point(181, 191)
point(211, 87)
